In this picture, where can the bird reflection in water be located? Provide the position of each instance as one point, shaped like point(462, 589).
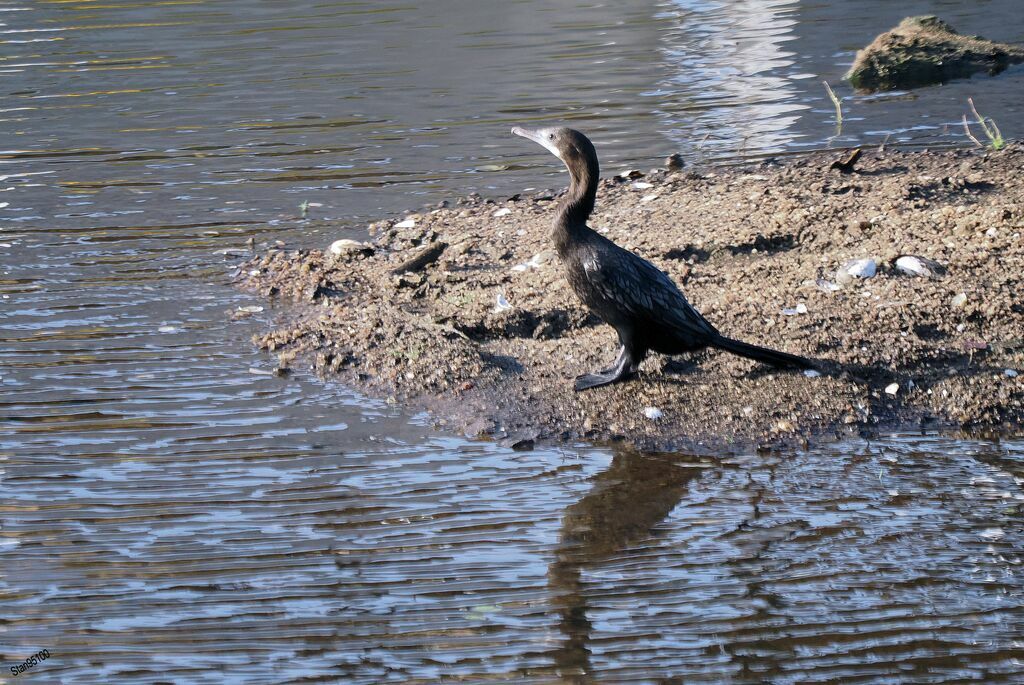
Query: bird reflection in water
point(628, 500)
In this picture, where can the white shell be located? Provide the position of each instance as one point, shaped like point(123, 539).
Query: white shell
point(344, 246)
point(653, 413)
point(892, 388)
point(918, 266)
point(857, 268)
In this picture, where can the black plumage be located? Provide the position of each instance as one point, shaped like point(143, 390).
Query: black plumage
point(637, 299)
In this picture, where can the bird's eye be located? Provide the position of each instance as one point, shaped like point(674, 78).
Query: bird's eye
point(551, 136)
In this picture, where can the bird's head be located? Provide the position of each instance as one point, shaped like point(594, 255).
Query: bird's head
point(572, 147)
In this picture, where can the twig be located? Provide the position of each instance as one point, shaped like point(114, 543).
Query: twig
point(836, 102)
point(967, 130)
point(422, 259)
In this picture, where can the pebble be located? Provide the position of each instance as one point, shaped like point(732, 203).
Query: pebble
point(629, 174)
point(649, 198)
point(408, 223)
point(504, 211)
point(827, 285)
point(1011, 373)
point(856, 268)
point(643, 185)
point(536, 261)
point(811, 373)
point(793, 311)
point(892, 389)
point(992, 232)
point(919, 266)
point(501, 304)
point(653, 413)
point(958, 301)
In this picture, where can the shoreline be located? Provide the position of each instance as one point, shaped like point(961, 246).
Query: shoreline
point(463, 311)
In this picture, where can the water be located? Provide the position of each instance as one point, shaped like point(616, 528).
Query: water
point(171, 516)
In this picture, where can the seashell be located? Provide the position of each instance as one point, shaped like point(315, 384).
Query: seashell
point(919, 266)
point(857, 268)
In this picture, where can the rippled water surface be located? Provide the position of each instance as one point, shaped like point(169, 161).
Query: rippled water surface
point(173, 513)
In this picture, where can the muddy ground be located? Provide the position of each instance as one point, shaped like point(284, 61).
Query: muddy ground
point(488, 337)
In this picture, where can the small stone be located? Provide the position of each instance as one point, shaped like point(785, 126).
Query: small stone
point(958, 301)
point(408, 223)
point(1011, 373)
point(794, 311)
point(629, 175)
point(811, 373)
point(826, 285)
point(892, 389)
point(643, 185)
point(504, 211)
point(992, 232)
point(653, 413)
point(501, 304)
point(649, 198)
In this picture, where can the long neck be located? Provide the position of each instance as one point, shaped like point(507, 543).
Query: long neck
point(577, 204)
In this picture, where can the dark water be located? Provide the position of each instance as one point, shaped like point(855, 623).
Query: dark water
point(171, 516)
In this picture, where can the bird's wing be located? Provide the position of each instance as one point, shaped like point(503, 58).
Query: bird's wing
point(643, 290)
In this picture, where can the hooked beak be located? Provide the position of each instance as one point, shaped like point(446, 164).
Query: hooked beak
point(526, 133)
point(537, 136)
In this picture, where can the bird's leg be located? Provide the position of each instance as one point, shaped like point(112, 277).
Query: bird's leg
point(615, 364)
point(624, 368)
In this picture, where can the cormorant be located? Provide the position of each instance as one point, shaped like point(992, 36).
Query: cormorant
point(637, 299)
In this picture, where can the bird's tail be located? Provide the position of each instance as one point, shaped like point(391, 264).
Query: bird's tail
point(762, 354)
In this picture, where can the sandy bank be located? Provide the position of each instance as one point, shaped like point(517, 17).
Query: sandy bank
point(484, 332)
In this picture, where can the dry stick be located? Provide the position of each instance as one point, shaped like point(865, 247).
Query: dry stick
point(837, 103)
point(422, 259)
point(992, 136)
point(967, 130)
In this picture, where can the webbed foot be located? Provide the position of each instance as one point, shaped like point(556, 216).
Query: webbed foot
point(624, 368)
point(596, 380)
